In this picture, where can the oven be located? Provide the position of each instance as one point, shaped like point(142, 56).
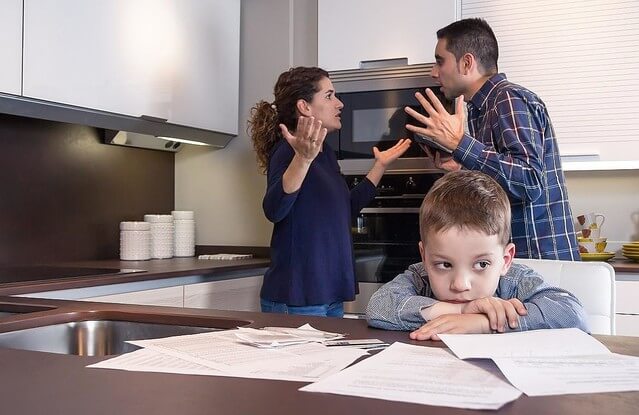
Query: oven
point(386, 233)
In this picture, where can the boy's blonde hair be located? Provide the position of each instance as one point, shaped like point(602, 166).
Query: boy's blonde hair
point(468, 200)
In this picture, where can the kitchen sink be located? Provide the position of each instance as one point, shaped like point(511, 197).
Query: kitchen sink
point(100, 337)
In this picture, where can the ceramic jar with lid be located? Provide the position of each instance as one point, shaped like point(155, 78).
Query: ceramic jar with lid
point(135, 241)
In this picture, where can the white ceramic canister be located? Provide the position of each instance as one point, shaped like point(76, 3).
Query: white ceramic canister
point(162, 231)
point(135, 241)
point(184, 237)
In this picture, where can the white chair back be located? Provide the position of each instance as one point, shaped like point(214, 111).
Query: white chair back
point(593, 283)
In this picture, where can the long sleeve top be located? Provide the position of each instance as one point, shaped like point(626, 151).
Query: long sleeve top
point(397, 304)
point(511, 138)
point(312, 258)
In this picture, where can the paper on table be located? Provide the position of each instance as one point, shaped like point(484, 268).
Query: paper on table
point(423, 375)
point(283, 336)
point(221, 351)
point(556, 342)
point(302, 369)
point(538, 376)
point(551, 362)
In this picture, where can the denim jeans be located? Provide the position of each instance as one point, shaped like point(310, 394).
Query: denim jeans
point(324, 310)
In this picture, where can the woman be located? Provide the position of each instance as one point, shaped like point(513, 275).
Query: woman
point(307, 199)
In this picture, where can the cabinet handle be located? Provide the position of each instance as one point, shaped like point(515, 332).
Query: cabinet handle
point(383, 63)
point(152, 118)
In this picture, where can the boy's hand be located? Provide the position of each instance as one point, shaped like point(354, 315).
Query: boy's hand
point(498, 311)
point(452, 323)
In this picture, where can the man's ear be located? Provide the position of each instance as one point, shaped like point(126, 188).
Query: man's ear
point(303, 108)
point(421, 251)
point(509, 255)
point(467, 63)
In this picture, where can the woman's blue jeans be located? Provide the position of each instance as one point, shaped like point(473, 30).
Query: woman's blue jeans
point(324, 310)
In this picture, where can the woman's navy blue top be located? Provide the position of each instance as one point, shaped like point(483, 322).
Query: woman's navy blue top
point(311, 248)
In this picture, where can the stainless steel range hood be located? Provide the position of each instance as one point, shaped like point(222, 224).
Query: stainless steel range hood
point(144, 132)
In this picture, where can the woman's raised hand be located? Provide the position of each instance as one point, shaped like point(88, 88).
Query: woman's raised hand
point(308, 137)
point(386, 157)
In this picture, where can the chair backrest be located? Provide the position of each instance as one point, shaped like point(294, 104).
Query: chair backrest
point(593, 283)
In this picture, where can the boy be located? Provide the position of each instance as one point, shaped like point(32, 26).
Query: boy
point(466, 282)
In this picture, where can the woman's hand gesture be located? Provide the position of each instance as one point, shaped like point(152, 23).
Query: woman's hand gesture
point(386, 157)
point(307, 139)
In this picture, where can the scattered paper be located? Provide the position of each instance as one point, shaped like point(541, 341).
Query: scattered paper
point(283, 336)
point(423, 375)
point(533, 343)
point(551, 362)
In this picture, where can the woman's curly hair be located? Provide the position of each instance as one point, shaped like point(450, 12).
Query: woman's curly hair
point(263, 126)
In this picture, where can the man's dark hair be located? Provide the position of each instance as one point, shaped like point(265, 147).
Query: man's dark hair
point(472, 36)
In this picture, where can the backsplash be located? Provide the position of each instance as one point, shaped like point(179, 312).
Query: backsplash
point(63, 192)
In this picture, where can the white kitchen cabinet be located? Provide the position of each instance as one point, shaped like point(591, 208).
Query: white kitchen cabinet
point(167, 296)
point(627, 308)
point(360, 30)
point(241, 294)
point(11, 46)
point(176, 60)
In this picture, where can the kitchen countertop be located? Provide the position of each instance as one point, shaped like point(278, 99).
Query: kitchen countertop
point(153, 269)
point(46, 383)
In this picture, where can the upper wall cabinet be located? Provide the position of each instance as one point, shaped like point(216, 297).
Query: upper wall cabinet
point(361, 30)
point(10, 46)
point(174, 60)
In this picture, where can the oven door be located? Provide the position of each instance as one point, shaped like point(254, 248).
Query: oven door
point(377, 118)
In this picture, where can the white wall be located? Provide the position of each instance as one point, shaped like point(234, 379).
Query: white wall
point(225, 187)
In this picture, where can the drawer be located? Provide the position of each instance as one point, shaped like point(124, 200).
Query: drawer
point(627, 325)
point(627, 297)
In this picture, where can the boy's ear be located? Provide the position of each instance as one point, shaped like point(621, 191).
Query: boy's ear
point(509, 255)
point(303, 108)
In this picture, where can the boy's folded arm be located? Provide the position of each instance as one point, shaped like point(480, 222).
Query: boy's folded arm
point(553, 308)
point(397, 305)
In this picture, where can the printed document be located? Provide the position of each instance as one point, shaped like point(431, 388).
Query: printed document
point(423, 375)
point(551, 362)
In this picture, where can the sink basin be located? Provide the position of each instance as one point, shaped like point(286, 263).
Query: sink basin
point(99, 337)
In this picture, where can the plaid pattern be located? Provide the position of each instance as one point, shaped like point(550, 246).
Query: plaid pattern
point(512, 140)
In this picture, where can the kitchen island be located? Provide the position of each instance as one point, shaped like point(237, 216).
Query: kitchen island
point(47, 383)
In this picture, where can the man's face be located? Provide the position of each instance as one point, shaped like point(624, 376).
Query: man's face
point(464, 265)
point(446, 72)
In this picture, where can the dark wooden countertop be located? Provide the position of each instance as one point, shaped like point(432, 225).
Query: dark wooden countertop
point(153, 269)
point(624, 265)
point(44, 383)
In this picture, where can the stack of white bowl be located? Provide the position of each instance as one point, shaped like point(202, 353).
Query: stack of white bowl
point(184, 238)
point(161, 235)
point(135, 241)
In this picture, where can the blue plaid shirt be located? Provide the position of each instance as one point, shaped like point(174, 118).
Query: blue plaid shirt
point(512, 140)
point(398, 304)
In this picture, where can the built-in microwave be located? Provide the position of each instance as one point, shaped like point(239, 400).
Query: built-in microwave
point(373, 113)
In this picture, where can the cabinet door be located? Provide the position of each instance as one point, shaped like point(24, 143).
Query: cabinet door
point(241, 294)
point(11, 46)
point(358, 30)
point(205, 89)
point(176, 60)
point(168, 296)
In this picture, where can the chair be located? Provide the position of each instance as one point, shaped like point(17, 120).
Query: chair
point(593, 283)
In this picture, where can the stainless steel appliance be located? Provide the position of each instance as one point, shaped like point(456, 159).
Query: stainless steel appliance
point(386, 233)
point(373, 114)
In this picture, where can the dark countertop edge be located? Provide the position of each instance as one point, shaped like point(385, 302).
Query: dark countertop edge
point(154, 269)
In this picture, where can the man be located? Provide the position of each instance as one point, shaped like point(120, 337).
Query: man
point(510, 137)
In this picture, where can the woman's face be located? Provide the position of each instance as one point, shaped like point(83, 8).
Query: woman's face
point(326, 107)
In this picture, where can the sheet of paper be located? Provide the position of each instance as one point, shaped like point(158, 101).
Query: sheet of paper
point(533, 343)
point(221, 351)
point(283, 336)
point(423, 375)
point(302, 369)
point(537, 376)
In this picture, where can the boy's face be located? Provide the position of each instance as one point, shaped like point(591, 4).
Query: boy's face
point(464, 265)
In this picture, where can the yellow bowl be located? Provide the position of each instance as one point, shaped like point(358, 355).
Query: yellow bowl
point(597, 256)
